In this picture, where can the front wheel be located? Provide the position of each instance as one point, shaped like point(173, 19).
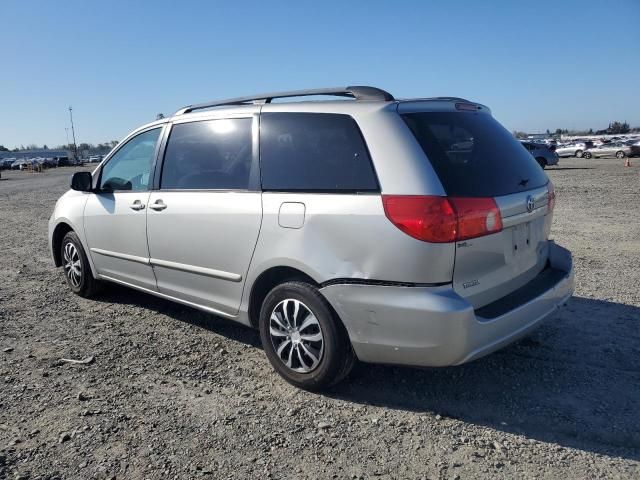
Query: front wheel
point(77, 272)
point(620, 154)
point(587, 155)
point(579, 153)
point(303, 338)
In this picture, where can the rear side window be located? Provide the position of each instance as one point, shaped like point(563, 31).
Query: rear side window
point(208, 155)
point(473, 155)
point(314, 152)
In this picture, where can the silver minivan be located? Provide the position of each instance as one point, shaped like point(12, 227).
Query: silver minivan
point(411, 232)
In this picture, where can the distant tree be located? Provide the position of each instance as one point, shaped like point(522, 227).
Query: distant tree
point(591, 131)
point(31, 146)
point(548, 132)
point(160, 116)
point(558, 131)
point(3, 148)
point(85, 146)
point(113, 143)
point(618, 127)
point(518, 134)
point(44, 147)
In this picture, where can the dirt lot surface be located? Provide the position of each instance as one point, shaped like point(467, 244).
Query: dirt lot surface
point(176, 393)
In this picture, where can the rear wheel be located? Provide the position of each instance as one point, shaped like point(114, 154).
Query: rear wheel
point(77, 272)
point(542, 162)
point(303, 338)
point(587, 155)
point(620, 154)
point(579, 153)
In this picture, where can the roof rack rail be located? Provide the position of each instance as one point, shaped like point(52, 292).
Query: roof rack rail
point(358, 92)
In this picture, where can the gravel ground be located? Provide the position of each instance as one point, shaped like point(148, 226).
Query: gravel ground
point(176, 393)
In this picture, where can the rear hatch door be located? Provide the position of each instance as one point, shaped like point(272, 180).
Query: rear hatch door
point(488, 268)
point(476, 157)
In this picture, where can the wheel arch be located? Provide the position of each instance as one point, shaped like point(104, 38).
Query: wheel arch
point(62, 227)
point(266, 281)
point(59, 232)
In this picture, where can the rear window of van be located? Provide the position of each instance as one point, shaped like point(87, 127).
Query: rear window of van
point(473, 155)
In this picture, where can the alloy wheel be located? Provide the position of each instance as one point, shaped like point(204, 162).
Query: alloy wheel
point(72, 264)
point(296, 335)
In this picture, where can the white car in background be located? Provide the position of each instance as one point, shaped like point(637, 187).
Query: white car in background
point(573, 149)
point(618, 150)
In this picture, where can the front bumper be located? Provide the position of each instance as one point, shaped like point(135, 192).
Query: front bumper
point(434, 326)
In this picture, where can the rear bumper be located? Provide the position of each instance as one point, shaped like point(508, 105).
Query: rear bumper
point(434, 326)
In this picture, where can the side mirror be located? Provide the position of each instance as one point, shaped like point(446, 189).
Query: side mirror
point(81, 181)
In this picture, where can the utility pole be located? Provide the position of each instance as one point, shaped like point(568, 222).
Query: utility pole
point(66, 130)
point(73, 132)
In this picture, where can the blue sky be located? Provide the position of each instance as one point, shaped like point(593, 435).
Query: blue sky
point(537, 64)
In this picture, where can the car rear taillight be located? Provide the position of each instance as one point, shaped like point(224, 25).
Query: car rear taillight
point(551, 196)
point(476, 217)
point(443, 219)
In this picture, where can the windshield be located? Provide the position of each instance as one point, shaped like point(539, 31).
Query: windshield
point(473, 155)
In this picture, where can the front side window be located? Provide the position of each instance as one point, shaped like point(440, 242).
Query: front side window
point(314, 152)
point(209, 155)
point(130, 166)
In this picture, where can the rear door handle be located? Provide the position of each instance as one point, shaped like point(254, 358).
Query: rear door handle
point(137, 205)
point(158, 205)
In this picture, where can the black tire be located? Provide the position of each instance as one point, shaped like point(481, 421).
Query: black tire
point(579, 153)
point(620, 154)
point(83, 284)
point(587, 155)
point(336, 354)
point(542, 162)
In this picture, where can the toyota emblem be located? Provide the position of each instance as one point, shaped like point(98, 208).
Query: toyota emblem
point(530, 204)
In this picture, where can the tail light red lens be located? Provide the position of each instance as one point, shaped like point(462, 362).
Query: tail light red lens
point(551, 196)
point(443, 219)
point(476, 217)
point(427, 218)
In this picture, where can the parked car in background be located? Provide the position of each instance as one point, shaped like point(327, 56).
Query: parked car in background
point(618, 150)
point(339, 229)
point(18, 164)
point(95, 159)
point(5, 163)
point(62, 161)
point(48, 162)
point(542, 153)
point(573, 149)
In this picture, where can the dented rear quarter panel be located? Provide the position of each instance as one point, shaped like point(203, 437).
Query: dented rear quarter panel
point(346, 236)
